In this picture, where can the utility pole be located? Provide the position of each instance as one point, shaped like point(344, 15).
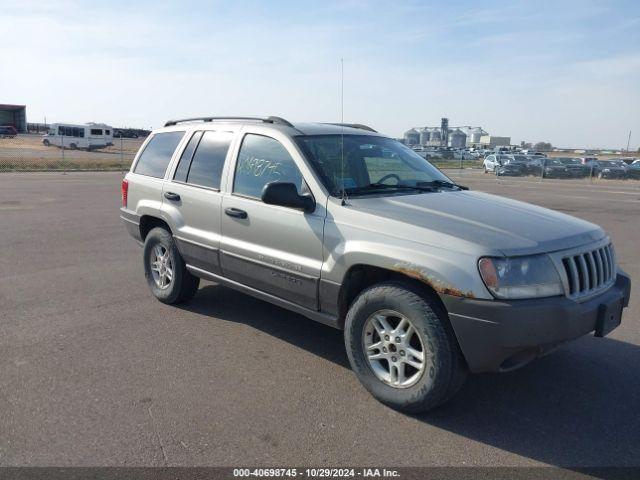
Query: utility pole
point(628, 140)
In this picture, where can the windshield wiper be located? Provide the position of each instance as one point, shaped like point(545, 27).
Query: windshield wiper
point(443, 183)
point(383, 186)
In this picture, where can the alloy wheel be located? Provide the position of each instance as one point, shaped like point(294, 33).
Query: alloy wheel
point(393, 349)
point(161, 266)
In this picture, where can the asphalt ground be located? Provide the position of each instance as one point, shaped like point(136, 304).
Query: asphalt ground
point(95, 371)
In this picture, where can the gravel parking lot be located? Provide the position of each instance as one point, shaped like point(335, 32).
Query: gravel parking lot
point(95, 371)
point(26, 152)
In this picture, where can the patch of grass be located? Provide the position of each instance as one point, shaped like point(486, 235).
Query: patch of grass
point(449, 164)
point(61, 165)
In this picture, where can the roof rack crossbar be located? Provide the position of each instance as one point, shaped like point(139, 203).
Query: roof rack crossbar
point(278, 120)
point(355, 125)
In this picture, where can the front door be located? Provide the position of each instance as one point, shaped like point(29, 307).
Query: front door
point(277, 250)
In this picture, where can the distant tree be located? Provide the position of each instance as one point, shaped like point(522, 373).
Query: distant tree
point(524, 144)
point(638, 150)
point(543, 146)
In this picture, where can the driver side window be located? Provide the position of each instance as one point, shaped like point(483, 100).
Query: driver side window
point(263, 160)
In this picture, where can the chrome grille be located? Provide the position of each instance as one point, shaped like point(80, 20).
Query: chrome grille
point(589, 272)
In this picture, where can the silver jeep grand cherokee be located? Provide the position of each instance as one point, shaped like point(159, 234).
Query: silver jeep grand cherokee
point(350, 228)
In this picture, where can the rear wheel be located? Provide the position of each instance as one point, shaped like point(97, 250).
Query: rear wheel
point(73, 146)
point(402, 348)
point(167, 276)
point(46, 143)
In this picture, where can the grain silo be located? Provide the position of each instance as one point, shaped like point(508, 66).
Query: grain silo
point(475, 134)
point(411, 137)
point(425, 136)
point(457, 139)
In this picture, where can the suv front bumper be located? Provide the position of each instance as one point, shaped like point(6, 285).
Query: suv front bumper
point(501, 335)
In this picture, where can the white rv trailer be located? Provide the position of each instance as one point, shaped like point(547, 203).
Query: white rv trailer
point(89, 136)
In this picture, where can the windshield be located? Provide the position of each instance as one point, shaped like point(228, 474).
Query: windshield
point(368, 160)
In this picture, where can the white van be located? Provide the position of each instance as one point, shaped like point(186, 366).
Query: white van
point(89, 136)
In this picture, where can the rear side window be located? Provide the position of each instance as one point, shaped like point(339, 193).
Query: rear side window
point(263, 160)
point(157, 154)
point(208, 160)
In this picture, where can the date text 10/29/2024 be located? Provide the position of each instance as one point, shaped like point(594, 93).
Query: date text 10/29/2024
point(316, 472)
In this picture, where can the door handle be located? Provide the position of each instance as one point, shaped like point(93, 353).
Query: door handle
point(235, 212)
point(172, 196)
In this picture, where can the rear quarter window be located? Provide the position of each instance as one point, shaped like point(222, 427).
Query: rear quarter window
point(156, 156)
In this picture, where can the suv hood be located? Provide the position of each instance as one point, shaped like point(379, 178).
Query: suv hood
point(496, 224)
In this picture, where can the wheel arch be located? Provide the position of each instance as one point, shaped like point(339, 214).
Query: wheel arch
point(359, 277)
point(148, 222)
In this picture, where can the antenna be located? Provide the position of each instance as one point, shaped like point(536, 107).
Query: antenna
point(342, 90)
point(344, 193)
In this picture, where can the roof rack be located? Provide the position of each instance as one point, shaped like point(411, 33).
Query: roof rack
point(278, 120)
point(355, 125)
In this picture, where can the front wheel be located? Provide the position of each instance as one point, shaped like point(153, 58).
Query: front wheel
point(46, 143)
point(402, 348)
point(167, 276)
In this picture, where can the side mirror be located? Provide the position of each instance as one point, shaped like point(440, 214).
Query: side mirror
point(286, 195)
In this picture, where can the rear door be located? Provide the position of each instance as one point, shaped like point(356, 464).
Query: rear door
point(274, 249)
point(192, 198)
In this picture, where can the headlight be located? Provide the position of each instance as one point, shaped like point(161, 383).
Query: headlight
point(520, 277)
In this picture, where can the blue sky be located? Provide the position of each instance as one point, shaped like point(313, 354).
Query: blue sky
point(565, 72)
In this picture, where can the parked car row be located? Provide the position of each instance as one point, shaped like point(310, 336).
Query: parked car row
point(559, 167)
point(124, 134)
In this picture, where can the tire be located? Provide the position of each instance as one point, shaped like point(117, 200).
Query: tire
point(485, 169)
point(182, 286)
point(444, 369)
point(46, 143)
point(73, 146)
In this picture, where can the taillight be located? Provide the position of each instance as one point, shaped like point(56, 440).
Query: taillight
point(125, 192)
